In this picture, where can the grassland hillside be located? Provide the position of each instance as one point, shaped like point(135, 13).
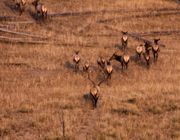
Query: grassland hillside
point(42, 98)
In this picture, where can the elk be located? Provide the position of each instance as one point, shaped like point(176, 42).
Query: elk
point(139, 50)
point(126, 59)
point(20, 4)
point(101, 62)
point(76, 59)
point(147, 47)
point(40, 8)
point(147, 58)
point(86, 66)
point(155, 49)
point(124, 40)
point(94, 91)
point(146, 52)
point(118, 58)
point(108, 69)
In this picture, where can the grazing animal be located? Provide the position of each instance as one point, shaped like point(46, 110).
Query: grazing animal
point(20, 4)
point(101, 63)
point(40, 8)
point(124, 40)
point(94, 91)
point(86, 67)
point(155, 49)
point(146, 54)
point(139, 50)
point(76, 59)
point(126, 59)
point(147, 47)
point(108, 69)
point(117, 57)
point(147, 58)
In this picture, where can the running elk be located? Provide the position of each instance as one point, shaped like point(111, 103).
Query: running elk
point(155, 49)
point(40, 8)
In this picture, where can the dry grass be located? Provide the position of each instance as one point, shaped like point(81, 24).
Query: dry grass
point(37, 82)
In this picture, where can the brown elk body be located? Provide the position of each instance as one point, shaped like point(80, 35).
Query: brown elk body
point(108, 69)
point(101, 63)
point(139, 50)
point(94, 91)
point(155, 49)
point(147, 47)
point(146, 53)
point(124, 40)
point(76, 60)
point(126, 59)
point(40, 8)
point(118, 58)
point(147, 58)
point(86, 67)
point(20, 4)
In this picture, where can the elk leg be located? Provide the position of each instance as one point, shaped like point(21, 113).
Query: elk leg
point(45, 14)
point(17, 5)
point(76, 67)
point(109, 76)
point(156, 56)
point(21, 10)
point(95, 103)
point(138, 55)
point(122, 65)
point(148, 63)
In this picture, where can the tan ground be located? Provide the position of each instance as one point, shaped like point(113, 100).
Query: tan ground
point(37, 82)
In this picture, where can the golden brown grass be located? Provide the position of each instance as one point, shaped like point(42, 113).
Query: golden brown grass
point(37, 82)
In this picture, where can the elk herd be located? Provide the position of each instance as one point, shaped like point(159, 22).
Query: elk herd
point(41, 9)
point(142, 53)
point(104, 64)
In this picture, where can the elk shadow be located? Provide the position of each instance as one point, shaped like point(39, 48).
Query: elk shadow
point(34, 16)
point(11, 6)
point(89, 101)
point(121, 48)
point(69, 65)
point(118, 67)
point(87, 97)
point(118, 46)
point(141, 62)
point(130, 101)
point(38, 18)
point(100, 76)
point(177, 1)
point(134, 58)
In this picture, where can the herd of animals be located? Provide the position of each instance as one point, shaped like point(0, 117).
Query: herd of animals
point(104, 64)
point(40, 8)
point(143, 50)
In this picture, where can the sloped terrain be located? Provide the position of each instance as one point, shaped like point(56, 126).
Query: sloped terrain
point(41, 97)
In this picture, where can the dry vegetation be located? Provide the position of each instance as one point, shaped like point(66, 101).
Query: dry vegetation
point(41, 98)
